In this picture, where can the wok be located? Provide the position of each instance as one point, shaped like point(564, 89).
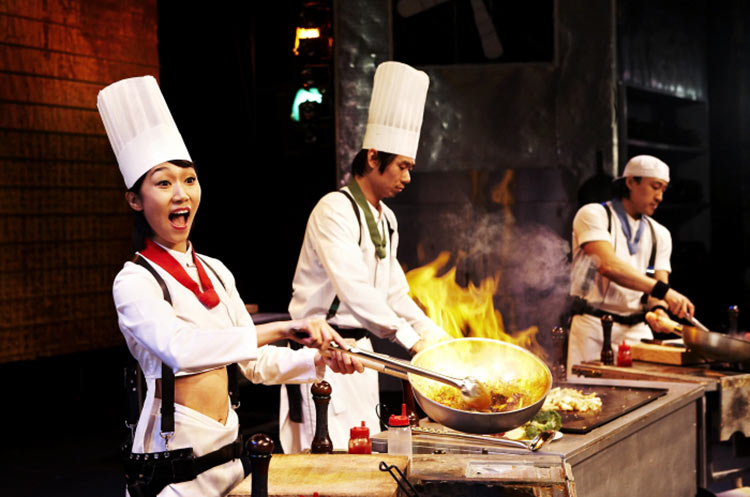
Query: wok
point(497, 365)
point(709, 344)
point(491, 362)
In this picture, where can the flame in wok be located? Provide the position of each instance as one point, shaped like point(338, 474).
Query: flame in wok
point(514, 379)
point(464, 312)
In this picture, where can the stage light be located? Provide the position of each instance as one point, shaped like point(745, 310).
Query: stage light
point(305, 34)
point(306, 95)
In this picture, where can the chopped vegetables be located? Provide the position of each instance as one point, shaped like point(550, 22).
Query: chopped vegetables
point(545, 419)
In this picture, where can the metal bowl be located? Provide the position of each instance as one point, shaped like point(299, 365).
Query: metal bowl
point(489, 361)
point(716, 346)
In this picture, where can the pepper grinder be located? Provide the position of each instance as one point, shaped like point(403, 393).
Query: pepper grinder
point(560, 338)
point(321, 394)
point(411, 409)
point(608, 355)
point(259, 447)
point(734, 316)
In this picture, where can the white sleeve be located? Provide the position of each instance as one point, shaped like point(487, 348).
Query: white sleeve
point(663, 249)
point(334, 233)
point(144, 314)
point(276, 365)
point(590, 224)
point(273, 365)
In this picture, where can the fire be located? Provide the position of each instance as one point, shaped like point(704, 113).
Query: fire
point(464, 312)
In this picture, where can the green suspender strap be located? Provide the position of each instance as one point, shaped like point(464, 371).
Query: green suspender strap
point(358, 198)
point(372, 226)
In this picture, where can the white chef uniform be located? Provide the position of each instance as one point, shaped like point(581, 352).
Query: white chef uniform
point(185, 335)
point(374, 295)
point(591, 224)
point(334, 262)
point(191, 338)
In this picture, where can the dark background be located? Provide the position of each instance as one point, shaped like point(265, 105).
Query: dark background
point(229, 76)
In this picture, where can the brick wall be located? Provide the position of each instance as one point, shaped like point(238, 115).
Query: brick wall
point(64, 224)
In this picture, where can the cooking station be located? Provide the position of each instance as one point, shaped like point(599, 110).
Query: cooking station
point(649, 450)
point(724, 410)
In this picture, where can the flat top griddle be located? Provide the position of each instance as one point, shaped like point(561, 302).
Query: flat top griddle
point(616, 401)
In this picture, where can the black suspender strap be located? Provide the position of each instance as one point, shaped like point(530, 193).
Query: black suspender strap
point(333, 309)
point(356, 213)
point(162, 284)
point(213, 271)
point(167, 375)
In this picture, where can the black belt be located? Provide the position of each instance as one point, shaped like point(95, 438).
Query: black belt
point(293, 391)
point(580, 306)
point(147, 474)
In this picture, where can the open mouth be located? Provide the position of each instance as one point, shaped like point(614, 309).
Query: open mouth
point(179, 218)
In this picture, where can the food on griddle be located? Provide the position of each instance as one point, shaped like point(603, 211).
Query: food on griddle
point(570, 399)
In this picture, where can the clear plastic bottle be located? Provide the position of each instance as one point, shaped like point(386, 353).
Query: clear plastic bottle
point(399, 434)
point(359, 440)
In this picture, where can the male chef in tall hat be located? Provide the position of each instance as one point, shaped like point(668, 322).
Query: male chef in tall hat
point(629, 252)
point(347, 269)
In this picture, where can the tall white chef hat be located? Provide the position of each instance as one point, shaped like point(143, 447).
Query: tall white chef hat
point(140, 128)
point(646, 166)
point(396, 108)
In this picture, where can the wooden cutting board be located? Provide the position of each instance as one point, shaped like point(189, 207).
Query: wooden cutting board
point(664, 354)
point(331, 475)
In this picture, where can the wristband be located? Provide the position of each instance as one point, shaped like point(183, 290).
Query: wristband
point(659, 306)
point(659, 290)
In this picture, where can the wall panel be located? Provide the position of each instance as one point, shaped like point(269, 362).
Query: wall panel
point(64, 225)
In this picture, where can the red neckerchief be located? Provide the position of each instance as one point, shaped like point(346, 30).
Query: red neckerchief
point(164, 259)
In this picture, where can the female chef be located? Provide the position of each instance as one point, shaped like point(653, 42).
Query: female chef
point(181, 310)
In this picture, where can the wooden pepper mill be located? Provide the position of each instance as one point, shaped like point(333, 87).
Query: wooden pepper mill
point(321, 394)
point(608, 355)
point(259, 448)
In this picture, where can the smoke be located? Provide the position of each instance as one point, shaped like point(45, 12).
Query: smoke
point(532, 262)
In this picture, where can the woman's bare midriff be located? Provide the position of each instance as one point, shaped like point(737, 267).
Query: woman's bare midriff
point(202, 392)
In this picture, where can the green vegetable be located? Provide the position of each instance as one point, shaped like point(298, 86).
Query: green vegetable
point(546, 419)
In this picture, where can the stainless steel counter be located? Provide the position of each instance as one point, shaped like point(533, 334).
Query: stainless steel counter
point(649, 451)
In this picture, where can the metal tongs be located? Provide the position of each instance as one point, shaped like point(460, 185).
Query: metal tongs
point(533, 445)
point(474, 392)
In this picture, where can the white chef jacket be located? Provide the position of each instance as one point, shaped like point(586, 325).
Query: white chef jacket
point(191, 338)
point(374, 295)
point(591, 224)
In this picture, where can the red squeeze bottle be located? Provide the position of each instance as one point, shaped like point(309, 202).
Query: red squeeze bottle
point(624, 355)
point(359, 440)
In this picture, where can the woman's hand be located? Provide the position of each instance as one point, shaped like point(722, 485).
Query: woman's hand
point(339, 362)
point(315, 333)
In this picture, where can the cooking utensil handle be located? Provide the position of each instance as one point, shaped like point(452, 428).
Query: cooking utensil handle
point(395, 364)
point(495, 440)
point(692, 320)
point(672, 326)
point(370, 364)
